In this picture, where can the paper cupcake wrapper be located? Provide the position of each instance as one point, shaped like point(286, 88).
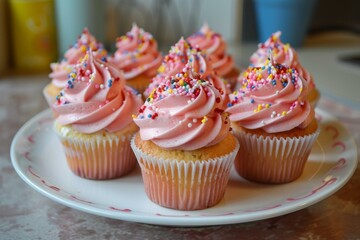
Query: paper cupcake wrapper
point(276, 160)
point(98, 158)
point(185, 185)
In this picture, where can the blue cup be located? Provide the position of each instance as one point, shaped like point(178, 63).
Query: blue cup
point(291, 17)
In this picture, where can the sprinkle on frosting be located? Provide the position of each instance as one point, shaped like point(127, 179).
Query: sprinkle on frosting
point(96, 98)
point(180, 55)
point(272, 97)
point(214, 46)
point(137, 53)
point(282, 54)
point(184, 112)
point(180, 84)
point(74, 55)
point(172, 63)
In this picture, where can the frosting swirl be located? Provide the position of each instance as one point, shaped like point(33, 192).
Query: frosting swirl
point(96, 98)
point(73, 55)
point(137, 53)
point(202, 66)
point(273, 98)
point(179, 56)
point(281, 53)
point(214, 46)
point(172, 63)
point(185, 112)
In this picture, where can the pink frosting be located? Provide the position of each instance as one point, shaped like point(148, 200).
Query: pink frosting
point(137, 54)
point(215, 48)
point(200, 64)
point(60, 72)
point(185, 112)
point(174, 62)
point(73, 55)
point(183, 54)
point(283, 54)
point(96, 98)
point(273, 98)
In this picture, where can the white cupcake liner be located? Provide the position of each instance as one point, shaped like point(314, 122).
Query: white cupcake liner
point(272, 160)
point(185, 185)
point(96, 158)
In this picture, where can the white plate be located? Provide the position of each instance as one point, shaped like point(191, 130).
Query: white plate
point(37, 157)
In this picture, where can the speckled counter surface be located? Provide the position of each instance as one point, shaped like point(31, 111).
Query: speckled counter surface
point(26, 214)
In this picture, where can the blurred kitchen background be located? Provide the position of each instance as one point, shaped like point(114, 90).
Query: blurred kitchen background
point(34, 33)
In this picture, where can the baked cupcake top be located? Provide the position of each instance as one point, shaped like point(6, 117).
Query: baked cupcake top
point(96, 98)
point(137, 54)
point(273, 98)
point(282, 54)
point(60, 71)
point(214, 46)
point(184, 113)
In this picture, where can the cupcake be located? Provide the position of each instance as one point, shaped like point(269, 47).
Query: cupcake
point(286, 55)
point(183, 53)
point(214, 46)
point(274, 123)
point(184, 146)
point(138, 56)
point(60, 71)
point(94, 122)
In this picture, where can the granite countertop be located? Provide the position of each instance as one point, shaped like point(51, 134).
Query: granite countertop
point(26, 214)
